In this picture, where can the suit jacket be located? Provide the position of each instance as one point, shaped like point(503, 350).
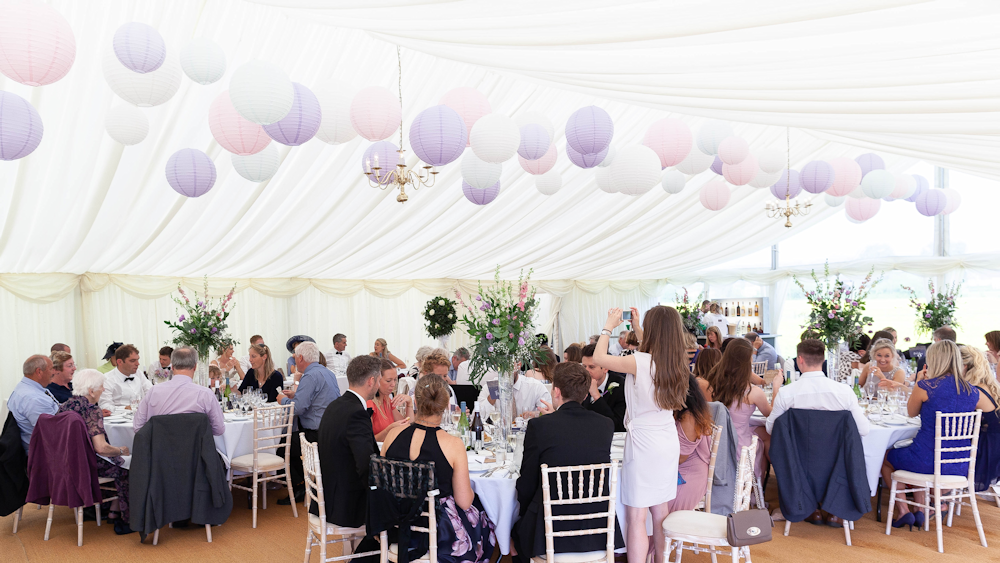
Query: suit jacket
point(570, 436)
point(13, 468)
point(346, 443)
point(612, 403)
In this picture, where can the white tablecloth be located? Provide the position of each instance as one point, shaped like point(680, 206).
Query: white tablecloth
point(237, 441)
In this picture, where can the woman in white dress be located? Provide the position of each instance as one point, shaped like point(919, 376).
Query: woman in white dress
point(652, 451)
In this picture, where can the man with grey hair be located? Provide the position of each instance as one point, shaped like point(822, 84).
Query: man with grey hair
point(180, 395)
point(460, 360)
point(338, 358)
point(315, 388)
point(30, 398)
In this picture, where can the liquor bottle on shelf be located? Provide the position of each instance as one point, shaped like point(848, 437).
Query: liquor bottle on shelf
point(738, 309)
point(756, 311)
point(727, 311)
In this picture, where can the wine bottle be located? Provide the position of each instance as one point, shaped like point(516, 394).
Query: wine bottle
point(727, 310)
point(477, 432)
point(218, 393)
point(463, 426)
point(737, 308)
point(228, 389)
point(857, 388)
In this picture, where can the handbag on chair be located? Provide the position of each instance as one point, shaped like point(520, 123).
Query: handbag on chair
point(749, 527)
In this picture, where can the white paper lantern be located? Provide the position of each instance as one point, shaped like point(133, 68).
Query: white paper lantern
point(673, 182)
point(495, 138)
point(763, 179)
point(954, 200)
point(529, 117)
point(608, 158)
point(862, 209)
point(478, 173)
point(203, 60)
point(834, 201)
point(771, 161)
point(878, 184)
point(905, 186)
point(603, 177)
point(711, 135)
point(548, 183)
point(635, 170)
point(335, 99)
point(733, 150)
point(695, 163)
point(741, 174)
point(257, 167)
point(126, 124)
point(143, 90)
point(714, 195)
point(261, 92)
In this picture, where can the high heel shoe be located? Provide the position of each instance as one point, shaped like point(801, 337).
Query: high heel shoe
point(918, 520)
point(905, 520)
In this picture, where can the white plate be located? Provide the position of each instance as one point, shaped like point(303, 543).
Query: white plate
point(238, 419)
point(114, 420)
point(895, 420)
point(480, 467)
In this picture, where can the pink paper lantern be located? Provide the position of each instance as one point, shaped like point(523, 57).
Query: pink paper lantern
point(535, 141)
point(383, 155)
point(733, 150)
point(862, 209)
point(589, 130)
point(542, 165)
point(846, 176)
point(740, 174)
point(868, 162)
point(586, 160)
point(932, 202)
point(232, 131)
point(191, 172)
point(20, 127)
point(37, 46)
point(788, 184)
point(438, 135)
point(905, 186)
point(480, 197)
point(714, 195)
point(302, 121)
point(816, 177)
point(375, 113)
point(470, 103)
point(670, 139)
point(139, 47)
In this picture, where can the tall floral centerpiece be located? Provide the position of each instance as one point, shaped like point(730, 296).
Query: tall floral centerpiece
point(690, 313)
point(202, 326)
point(440, 318)
point(937, 312)
point(499, 320)
point(837, 311)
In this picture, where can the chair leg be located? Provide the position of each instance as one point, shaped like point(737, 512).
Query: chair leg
point(736, 554)
point(952, 508)
point(291, 495)
point(975, 514)
point(309, 546)
point(937, 519)
point(680, 551)
point(263, 494)
point(48, 522)
point(892, 504)
point(760, 492)
point(208, 532)
point(254, 487)
point(927, 521)
point(97, 510)
point(17, 518)
point(788, 526)
point(847, 533)
point(996, 494)
point(78, 512)
point(878, 501)
point(714, 559)
point(156, 536)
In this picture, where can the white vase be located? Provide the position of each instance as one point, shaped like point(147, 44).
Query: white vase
point(443, 341)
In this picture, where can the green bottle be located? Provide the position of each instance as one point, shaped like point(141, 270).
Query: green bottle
point(857, 388)
point(463, 425)
point(228, 390)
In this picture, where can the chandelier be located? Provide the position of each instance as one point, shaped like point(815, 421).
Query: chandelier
point(398, 176)
point(776, 210)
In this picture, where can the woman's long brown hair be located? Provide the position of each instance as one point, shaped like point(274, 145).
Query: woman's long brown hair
point(730, 378)
point(663, 339)
point(696, 405)
point(265, 370)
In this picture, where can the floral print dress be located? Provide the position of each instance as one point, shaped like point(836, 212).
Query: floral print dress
point(94, 419)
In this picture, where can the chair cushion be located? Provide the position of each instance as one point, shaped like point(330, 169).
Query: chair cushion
point(710, 528)
point(924, 479)
point(333, 529)
point(265, 462)
point(576, 557)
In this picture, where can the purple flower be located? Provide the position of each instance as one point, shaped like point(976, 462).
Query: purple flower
point(490, 348)
point(180, 320)
point(214, 330)
point(489, 336)
point(520, 342)
point(854, 303)
point(496, 322)
point(482, 307)
point(479, 298)
point(193, 331)
point(928, 315)
point(201, 304)
point(830, 314)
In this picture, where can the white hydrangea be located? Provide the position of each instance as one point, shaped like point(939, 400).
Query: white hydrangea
point(431, 312)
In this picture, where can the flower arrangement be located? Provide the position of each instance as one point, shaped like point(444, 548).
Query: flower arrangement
point(838, 309)
point(440, 316)
point(939, 311)
point(690, 312)
point(499, 320)
point(202, 325)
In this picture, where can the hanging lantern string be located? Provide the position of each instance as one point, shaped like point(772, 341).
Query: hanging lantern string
point(399, 61)
point(788, 161)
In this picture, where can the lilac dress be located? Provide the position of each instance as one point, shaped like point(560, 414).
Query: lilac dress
point(694, 471)
point(740, 414)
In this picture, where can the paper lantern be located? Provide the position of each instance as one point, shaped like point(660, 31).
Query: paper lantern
point(540, 166)
point(857, 193)
point(586, 160)
point(381, 154)
point(716, 165)
point(834, 201)
point(788, 184)
point(37, 46)
point(905, 186)
point(232, 131)
point(954, 200)
point(603, 177)
point(477, 196)
point(438, 135)
point(771, 161)
point(375, 113)
point(696, 162)
point(302, 121)
point(536, 118)
point(922, 186)
point(143, 90)
point(470, 103)
point(139, 47)
point(190, 172)
point(714, 195)
point(608, 158)
point(740, 174)
point(868, 162)
point(816, 177)
point(495, 138)
point(335, 99)
point(635, 170)
point(126, 124)
point(261, 92)
point(20, 127)
point(257, 167)
point(673, 182)
point(670, 139)
point(535, 141)
point(878, 183)
point(480, 174)
point(548, 183)
point(846, 176)
point(764, 180)
point(711, 134)
point(932, 202)
point(733, 150)
point(862, 209)
point(203, 61)
point(589, 130)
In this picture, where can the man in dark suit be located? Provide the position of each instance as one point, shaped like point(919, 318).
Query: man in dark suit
point(571, 435)
point(607, 390)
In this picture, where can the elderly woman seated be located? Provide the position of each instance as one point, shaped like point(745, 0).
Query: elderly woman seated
point(88, 385)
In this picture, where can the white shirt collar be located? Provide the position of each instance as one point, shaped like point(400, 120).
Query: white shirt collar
point(812, 374)
point(364, 403)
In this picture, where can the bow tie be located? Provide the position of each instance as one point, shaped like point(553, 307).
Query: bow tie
point(130, 378)
point(370, 411)
point(340, 353)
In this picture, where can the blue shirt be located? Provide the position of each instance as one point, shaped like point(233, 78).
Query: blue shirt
point(317, 388)
point(766, 353)
point(27, 402)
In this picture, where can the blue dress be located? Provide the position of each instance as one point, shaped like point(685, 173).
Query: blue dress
point(988, 456)
point(942, 396)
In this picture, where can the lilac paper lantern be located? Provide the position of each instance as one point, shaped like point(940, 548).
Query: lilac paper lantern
point(932, 202)
point(191, 172)
point(20, 127)
point(788, 183)
point(302, 121)
point(381, 154)
point(868, 162)
point(922, 186)
point(535, 141)
point(586, 160)
point(589, 130)
point(139, 47)
point(438, 135)
point(717, 165)
point(477, 196)
point(816, 177)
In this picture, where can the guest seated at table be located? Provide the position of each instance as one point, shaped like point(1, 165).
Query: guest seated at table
point(851, 358)
point(543, 366)
point(884, 367)
point(463, 357)
point(879, 335)
point(382, 352)
point(109, 358)
point(385, 407)
point(942, 390)
point(63, 367)
point(571, 435)
point(89, 386)
point(159, 371)
point(125, 384)
point(215, 378)
point(228, 364)
point(713, 338)
point(435, 364)
point(606, 395)
point(59, 347)
point(464, 530)
point(245, 360)
point(762, 351)
point(993, 348)
point(706, 362)
point(181, 395)
point(572, 353)
point(694, 432)
point(262, 374)
point(691, 348)
point(978, 374)
point(530, 395)
point(807, 334)
point(942, 333)
point(30, 397)
point(290, 345)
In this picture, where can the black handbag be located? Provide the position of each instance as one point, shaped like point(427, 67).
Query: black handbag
point(749, 527)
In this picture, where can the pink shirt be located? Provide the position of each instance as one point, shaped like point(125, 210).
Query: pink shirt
point(177, 396)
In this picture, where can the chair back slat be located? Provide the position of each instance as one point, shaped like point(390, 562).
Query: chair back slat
point(586, 493)
point(313, 477)
point(744, 477)
point(716, 434)
point(951, 427)
point(267, 419)
point(759, 368)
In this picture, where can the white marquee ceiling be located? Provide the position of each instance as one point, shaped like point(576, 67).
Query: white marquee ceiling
point(909, 80)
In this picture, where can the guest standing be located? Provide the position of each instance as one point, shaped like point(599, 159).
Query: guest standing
point(382, 352)
point(181, 395)
point(338, 357)
point(63, 368)
point(385, 406)
point(30, 398)
point(694, 432)
point(125, 383)
point(716, 318)
point(262, 374)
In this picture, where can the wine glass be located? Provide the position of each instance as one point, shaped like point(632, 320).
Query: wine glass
point(456, 414)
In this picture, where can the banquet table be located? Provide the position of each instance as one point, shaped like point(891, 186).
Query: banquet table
point(236, 441)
